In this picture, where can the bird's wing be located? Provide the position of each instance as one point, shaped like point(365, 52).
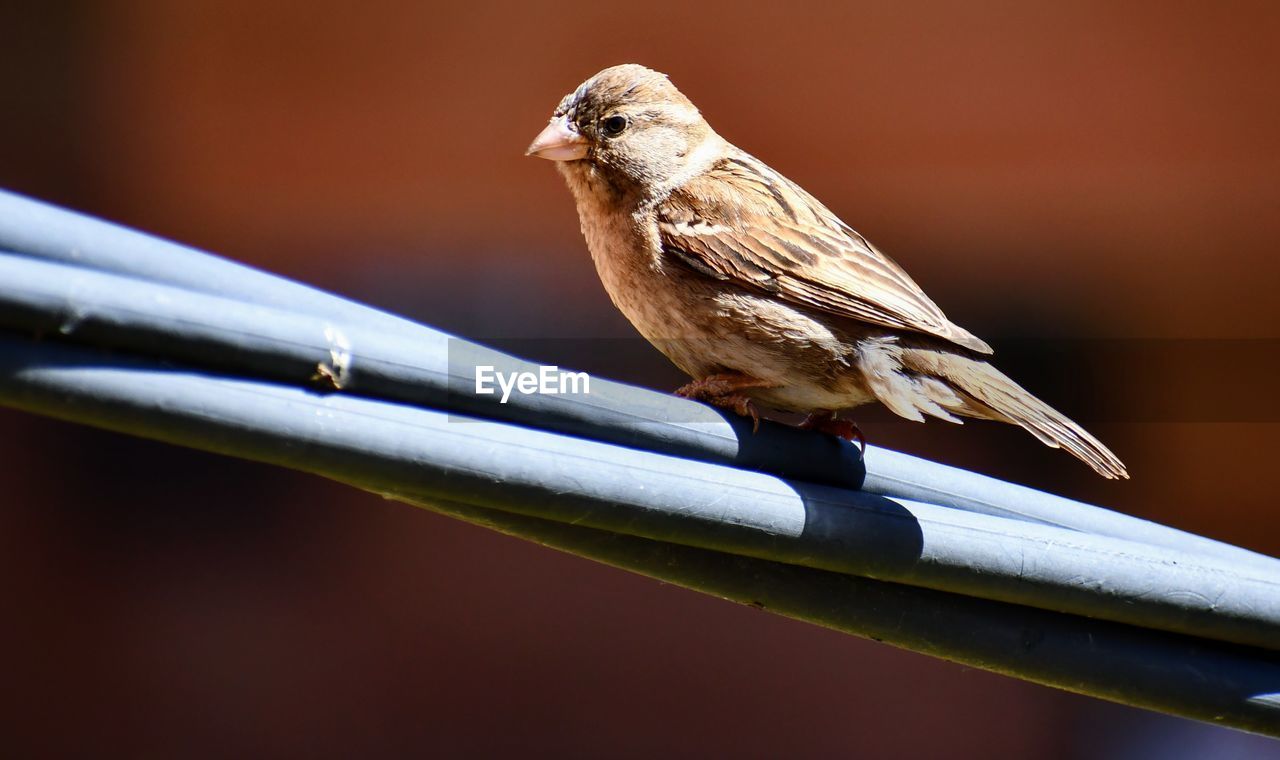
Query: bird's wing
point(741, 221)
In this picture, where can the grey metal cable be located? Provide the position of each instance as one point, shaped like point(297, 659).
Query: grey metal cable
point(666, 498)
point(208, 353)
point(419, 365)
point(501, 476)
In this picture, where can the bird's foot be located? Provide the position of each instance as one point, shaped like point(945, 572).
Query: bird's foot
point(715, 386)
point(827, 422)
point(725, 391)
point(741, 404)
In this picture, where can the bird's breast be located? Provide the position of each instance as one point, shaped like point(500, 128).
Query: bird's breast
point(628, 259)
point(706, 326)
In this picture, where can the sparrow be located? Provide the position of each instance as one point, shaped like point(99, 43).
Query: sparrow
point(754, 288)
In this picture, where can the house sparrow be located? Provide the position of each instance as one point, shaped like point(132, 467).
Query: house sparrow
point(751, 286)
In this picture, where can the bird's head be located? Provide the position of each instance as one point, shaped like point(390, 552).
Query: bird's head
point(629, 125)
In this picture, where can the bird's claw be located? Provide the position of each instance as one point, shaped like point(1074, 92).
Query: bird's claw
point(829, 423)
point(724, 391)
point(745, 408)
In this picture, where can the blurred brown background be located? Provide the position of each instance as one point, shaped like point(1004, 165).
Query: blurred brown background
point(1091, 171)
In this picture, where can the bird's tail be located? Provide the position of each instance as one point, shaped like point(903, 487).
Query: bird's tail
point(984, 392)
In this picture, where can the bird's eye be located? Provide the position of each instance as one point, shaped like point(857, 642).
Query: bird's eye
point(613, 125)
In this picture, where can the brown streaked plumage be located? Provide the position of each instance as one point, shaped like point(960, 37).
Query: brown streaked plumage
point(750, 285)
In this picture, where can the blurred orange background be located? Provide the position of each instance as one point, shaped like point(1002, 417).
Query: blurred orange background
point(1091, 171)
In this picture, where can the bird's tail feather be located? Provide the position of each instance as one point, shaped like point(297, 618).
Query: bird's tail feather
point(986, 393)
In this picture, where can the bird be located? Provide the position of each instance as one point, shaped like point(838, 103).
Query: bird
point(757, 291)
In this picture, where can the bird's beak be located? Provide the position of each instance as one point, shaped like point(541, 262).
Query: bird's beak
point(558, 142)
